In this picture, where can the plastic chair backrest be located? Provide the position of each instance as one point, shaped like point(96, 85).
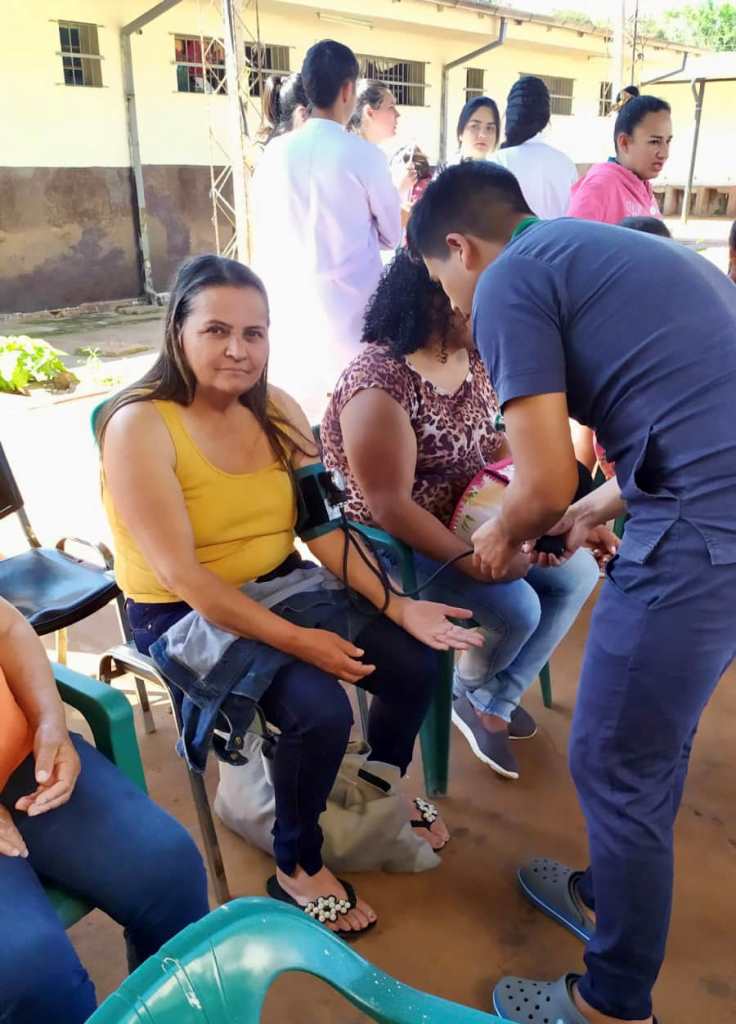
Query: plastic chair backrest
point(219, 970)
point(11, 500)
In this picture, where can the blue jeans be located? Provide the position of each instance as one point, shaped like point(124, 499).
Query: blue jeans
point(523, 622)
point(312, 712)
point(110, 845)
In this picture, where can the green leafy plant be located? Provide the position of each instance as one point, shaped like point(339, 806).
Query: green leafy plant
point(25, 361)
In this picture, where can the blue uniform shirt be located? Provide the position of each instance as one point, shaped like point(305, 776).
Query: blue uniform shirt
point(640, 332)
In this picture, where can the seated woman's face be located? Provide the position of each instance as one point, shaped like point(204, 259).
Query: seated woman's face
point(225, 338)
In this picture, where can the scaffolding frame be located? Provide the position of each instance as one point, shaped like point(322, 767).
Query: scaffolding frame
point(232, 153)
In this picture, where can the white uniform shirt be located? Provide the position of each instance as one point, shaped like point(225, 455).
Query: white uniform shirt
point(324, 207)
point(545, 174)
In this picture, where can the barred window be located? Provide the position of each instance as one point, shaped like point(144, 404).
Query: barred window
point(405, 78)
point(263, 60)
point(80, 54)
point(474, 83)
point(200, 64)
point(605, 99)
point(560, 91)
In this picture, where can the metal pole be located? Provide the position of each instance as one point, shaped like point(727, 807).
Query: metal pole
point(134, 145)
point(447, 68)
point(235, 117)
point(635, 40)
point(619, 25)
point(134, 148)
point(698, 96)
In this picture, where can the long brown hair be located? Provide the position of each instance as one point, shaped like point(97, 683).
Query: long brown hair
point(171, 378)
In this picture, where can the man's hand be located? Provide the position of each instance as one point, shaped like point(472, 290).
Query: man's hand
point(11, 841)
point(57, 768)
point(496, 557)
point(578, 533)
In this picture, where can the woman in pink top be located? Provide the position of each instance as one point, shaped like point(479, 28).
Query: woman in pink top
point(622, 186)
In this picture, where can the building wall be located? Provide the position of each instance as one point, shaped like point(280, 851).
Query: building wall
point(75, 138)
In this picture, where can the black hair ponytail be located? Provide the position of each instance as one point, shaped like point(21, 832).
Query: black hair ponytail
point(528, 110)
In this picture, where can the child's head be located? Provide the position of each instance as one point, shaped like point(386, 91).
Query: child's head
point(462, 223)
point(649, 225)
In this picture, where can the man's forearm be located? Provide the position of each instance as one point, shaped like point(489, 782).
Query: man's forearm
point(601, 505)
point(527, 513)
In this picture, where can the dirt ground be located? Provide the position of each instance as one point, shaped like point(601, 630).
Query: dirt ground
point(455, 930)
point(452, 931)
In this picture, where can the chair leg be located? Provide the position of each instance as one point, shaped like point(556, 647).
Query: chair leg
point(62, 646)
point(545, 682)
point(149, 724)
point(363, 709)
point(435, 732)
point(212, 851)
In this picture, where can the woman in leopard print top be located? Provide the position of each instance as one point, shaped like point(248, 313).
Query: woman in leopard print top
point(410, 423)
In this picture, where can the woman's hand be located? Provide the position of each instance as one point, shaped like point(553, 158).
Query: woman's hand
point(578, 533)
point(11, 841)
point(405, 178)
point(429, 622)
point(332, 654)
point(57, 768)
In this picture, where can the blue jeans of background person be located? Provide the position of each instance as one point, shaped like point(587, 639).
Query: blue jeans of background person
point(113, 847)
point(662, 635)
point(313, 713)
point(524, 621)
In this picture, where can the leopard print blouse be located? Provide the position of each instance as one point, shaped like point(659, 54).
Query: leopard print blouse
point(455, 432)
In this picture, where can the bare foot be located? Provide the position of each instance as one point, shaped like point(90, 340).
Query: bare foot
point(596, 1017)
point(583, 905)
point(437, 834)
point(306, 888)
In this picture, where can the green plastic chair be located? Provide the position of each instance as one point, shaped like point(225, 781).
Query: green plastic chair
point(109, 716)
point(220, 969)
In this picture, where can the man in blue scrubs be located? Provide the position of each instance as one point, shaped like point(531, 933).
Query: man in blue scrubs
point(636, 338)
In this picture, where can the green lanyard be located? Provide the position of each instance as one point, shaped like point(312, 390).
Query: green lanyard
point(522, 226)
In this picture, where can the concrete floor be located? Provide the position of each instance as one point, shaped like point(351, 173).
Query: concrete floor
point(455, 930)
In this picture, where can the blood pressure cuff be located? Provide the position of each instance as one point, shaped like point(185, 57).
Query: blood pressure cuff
point(321, 496)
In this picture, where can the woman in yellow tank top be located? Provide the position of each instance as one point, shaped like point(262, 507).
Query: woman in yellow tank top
point(197, 462)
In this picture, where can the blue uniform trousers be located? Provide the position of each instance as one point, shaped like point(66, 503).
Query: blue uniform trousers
point(662, 635)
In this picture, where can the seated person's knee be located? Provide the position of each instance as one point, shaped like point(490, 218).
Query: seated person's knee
point(41, 979)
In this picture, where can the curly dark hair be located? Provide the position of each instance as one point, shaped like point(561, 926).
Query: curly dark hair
point(407, 308)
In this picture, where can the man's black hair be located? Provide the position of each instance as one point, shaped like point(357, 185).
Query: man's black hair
point(634, 112)
point(473, 197)
point(732, 236)
point(649, 225)
point(327, 66)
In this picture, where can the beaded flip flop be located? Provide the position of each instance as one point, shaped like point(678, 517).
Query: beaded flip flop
point(325, 909)
point(428, 815)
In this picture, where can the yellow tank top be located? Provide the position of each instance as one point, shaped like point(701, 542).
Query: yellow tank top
point(243, 523)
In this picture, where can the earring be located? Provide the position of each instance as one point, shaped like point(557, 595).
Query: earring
point(443, 351)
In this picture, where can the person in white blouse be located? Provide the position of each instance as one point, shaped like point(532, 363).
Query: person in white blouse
point(324, 207)
point(545, 174)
